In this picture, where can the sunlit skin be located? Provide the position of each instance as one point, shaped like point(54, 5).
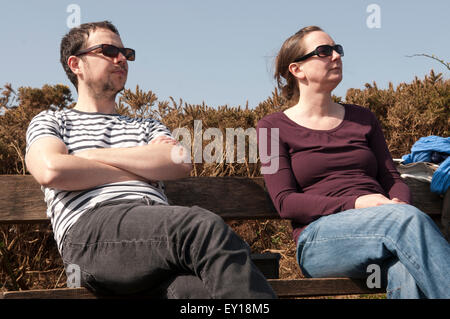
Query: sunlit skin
point(100, 78)
point(317, 77)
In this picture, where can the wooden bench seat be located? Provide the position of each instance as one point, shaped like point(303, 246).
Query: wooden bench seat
point(305, 287)
point(233, 198)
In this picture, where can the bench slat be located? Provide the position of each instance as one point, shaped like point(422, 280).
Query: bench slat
point(219, 195)
point(21, 199)
point(321, 287)
point(284, 288)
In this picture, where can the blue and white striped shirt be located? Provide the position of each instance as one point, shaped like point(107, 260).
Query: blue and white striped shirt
point(82, 131)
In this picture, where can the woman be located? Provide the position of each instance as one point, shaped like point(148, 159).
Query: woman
point(337, 183)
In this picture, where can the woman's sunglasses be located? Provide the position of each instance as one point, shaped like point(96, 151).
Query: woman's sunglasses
point(323, 51)
point(111, 51)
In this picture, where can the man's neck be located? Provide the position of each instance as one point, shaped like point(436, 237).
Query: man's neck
point(87, 103)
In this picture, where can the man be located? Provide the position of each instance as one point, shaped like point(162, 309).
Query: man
point(101, 174)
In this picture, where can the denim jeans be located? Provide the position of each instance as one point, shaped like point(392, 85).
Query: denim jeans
point(413, 256)
point(135, 246)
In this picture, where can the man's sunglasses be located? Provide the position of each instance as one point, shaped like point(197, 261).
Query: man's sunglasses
point(323, 51)
point(110, 51)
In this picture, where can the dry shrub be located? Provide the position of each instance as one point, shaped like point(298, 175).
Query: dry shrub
point(29, 256)
point(410, 111)
point(30, 259)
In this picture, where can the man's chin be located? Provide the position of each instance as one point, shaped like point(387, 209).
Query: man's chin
point(120, 90)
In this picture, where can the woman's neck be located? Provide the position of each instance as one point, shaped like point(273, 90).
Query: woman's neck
point(315, 104)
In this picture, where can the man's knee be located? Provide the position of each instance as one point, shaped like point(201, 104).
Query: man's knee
point(206, 218)
point(213, 226)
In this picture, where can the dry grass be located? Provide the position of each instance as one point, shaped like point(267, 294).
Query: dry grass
point(29, 258)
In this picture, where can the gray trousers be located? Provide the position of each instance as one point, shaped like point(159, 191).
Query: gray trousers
point(133, 246)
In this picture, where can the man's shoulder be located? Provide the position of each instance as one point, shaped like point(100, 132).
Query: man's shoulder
point(50, 113)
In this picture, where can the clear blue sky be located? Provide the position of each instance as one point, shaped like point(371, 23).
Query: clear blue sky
point(222, 52)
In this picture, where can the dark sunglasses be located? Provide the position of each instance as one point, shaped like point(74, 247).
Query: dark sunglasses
point(323, 51)
point(111, 51)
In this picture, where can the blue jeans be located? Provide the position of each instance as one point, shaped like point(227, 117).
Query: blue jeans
point(413, 256)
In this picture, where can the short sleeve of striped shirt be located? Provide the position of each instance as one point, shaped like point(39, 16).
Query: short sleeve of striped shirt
point(43, 124)
point(155, 128)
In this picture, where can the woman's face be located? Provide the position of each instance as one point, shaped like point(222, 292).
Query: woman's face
point(321, 73)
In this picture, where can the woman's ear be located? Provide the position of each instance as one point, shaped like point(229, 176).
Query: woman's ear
point(297, 70)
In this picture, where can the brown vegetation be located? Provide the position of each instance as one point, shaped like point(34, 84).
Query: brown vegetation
point(29, 256)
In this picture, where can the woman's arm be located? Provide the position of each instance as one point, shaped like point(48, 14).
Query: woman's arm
point(387, 175)
point(288, 198)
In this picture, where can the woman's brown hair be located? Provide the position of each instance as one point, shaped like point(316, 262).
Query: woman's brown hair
point(291, 49)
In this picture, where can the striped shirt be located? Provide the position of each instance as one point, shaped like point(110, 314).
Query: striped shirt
point(81, 131)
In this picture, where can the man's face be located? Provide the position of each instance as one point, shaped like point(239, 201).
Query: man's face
point(104, 76)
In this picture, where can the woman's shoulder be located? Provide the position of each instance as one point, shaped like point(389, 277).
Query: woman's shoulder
point(271, 120)
point(359, 113)
point(355, 108)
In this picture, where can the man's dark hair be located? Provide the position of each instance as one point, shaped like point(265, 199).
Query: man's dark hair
point(75, 41)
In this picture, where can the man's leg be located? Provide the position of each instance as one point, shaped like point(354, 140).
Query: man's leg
point(344, 244)
point(129, 247)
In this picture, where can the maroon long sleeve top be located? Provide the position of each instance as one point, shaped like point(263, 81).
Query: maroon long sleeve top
point(322, 172)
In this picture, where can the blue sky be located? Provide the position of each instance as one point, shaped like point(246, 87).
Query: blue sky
point(222, 52)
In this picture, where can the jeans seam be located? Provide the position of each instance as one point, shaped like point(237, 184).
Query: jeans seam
point(115, 242)
point(399, 251)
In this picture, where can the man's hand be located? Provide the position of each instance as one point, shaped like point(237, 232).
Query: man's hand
point(164, 140)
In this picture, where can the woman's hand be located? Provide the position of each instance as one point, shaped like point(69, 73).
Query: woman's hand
point(373, 200)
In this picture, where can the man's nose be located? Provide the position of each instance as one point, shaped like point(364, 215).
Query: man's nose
point(120, 58)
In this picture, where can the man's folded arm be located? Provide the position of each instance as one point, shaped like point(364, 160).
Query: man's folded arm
point(48, 161)
point(154, 161)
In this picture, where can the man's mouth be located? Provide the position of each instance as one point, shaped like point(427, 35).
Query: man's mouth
point(120, 71)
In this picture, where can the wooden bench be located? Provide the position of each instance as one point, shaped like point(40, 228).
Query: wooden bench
point(233, 198)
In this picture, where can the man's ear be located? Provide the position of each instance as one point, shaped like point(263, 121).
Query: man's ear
point(297, 70)
point(74, 64)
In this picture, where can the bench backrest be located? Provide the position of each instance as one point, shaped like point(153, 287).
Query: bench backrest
point(22, 201)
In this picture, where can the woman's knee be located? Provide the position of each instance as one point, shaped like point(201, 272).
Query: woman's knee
point(409, 213)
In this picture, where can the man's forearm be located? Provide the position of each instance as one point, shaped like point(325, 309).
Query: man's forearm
point(71, 173)
point(152, 162)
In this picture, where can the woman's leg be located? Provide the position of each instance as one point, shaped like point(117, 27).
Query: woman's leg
point(346, 243)
point(400, 283)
